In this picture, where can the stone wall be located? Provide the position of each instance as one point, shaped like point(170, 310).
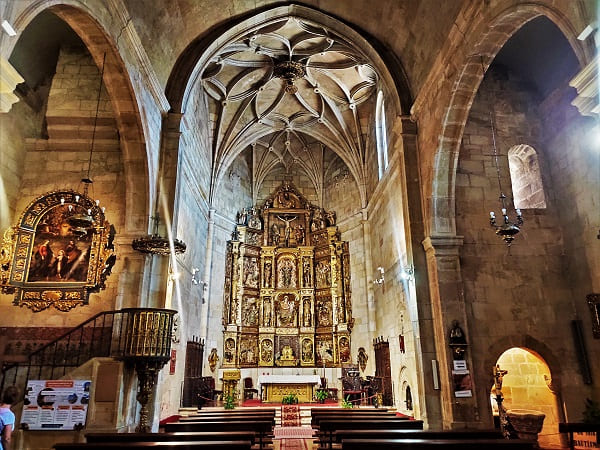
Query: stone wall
point(524, 295)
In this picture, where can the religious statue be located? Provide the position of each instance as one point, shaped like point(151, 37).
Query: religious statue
point(284, 199)
point(362, 358)
point(229, 353)
point(275, 234)
point(286, 312)
point(306, 272)
point(323, 274)
point(324, 314)
point(252, 272)
point(306, 313)
point(242, 217)
point(267, 313)
point(307, 350)
point(213, 359)
point(267, 274)
point(498, 377)
point(344, 350)
point(299, 234)
point(287, 274)
point(250, 312)
point(266, 351)
point(330, 216)
point(254, 220)
point(287, 231)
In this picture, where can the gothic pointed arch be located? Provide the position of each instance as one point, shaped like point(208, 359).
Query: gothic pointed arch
point(441, 209)
point(118, 84)
point(288, 71)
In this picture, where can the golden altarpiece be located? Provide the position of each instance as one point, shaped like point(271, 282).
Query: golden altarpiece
point(287, 287)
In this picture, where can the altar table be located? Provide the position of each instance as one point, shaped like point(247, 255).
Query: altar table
point(274, 387)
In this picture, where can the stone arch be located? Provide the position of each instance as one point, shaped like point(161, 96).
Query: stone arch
point(496, 349)
point(118, 85)
point(496, 34)
point(188, 67)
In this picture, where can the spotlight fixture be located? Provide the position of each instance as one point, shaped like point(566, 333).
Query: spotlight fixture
point(407, 273)
point(8, 28)
point(381, 278)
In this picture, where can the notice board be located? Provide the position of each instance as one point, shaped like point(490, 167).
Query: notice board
point(55, 404)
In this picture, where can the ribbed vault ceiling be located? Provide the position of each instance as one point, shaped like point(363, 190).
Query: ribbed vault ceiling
point(330, 104)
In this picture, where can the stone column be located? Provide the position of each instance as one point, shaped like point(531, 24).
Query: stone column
point(448, 305)
point(132, 265)
point(366, 228)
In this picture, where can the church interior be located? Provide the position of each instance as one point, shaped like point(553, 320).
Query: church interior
point(393, 203)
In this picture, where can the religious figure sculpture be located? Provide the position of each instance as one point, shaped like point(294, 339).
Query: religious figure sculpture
point(254, 220)
point(306, 272)
point(250, 312)
point(229, 351)
point(213, 359)
point(242, 217)
point(307, 350)
point(266, 351)
point(252, 272)
point(287, 274)
point(267, 313)
point(344, 350)
point(287, 231)
point(268, 274)
point(324, 314)
point(299, 234)
point(323, 274)
point(286, 312)
point(362, 358)
point(275, 234)
point(306, 315)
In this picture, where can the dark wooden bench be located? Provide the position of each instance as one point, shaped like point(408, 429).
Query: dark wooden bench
point(183, 445)
point(340, 435)
point(226, 417)
point(328, 427)
point(436, 444)
point(169, 437)
point(261, 427)
point(578, 427)
point(341, 416)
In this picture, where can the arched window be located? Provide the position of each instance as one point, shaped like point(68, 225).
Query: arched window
point(408, 399)
point(525, 177)
point(380, 134)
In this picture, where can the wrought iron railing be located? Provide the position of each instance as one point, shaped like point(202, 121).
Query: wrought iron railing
point(124, 333)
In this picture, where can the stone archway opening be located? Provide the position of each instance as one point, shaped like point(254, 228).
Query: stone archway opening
point(528, 385)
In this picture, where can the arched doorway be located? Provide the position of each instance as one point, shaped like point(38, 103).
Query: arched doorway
point(528, 385)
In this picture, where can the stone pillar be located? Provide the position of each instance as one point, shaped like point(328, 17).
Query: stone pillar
point(131, 275)
point(9, 78)
point(207, 275)
point(448, 305)
point(366, 228)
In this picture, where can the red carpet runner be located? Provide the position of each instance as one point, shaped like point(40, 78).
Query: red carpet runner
point(290, 416)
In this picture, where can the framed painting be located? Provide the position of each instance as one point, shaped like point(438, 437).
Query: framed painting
point(60, 251)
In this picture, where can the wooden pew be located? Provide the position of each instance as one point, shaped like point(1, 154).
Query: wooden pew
point(315, 421)
point(328, 427)
point(226, 417)
point(340, 435)
point(578, 427)
point(183, 445)
point(170, 437)
point(261, 427)
point(436, 444)
point(317, 414)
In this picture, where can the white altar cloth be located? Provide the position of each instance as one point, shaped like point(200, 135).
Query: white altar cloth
point(289, 379)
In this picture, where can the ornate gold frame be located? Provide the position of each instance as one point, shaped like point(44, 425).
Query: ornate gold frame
point(17, 250)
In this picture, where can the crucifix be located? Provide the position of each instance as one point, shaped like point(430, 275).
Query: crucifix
point(288, 229)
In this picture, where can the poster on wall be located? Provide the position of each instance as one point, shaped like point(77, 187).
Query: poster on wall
point(463, 386)
point(55, 404)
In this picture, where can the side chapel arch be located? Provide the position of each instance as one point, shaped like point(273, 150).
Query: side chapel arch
point(441, 214)
point(83, 21)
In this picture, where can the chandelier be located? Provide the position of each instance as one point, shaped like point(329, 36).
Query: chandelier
point(506, 229)
point(155, 244)
point(289, 71)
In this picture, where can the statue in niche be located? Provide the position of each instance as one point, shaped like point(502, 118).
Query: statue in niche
point(325, 352)
point(286, 312)
point(330, 216)
point(247, 351)
point(299, 234)
point(341, 310)
point(213, 359)
point(250, 312)
point(268, 274)
point(252, 272)
point(229, 351)
point(306, 272)
point(344, 350)
point(254, 220)
point(307, 350)
point(275, 234)
point(306, 316)
point(284, 199)
point(242, 216)
point(287, 274)
point(267, 312)
point(324, 314)
point(234, 311)
point(323, 274)
point(266, 351)
point(362, 358)
point(287, 231)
